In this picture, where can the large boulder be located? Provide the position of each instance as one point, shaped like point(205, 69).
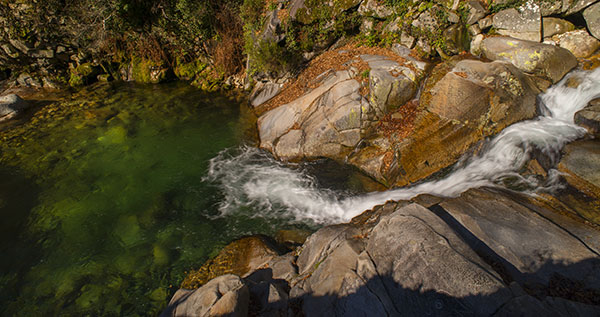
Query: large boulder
point(589, 117)
point(462, 103)
point(579, 42)
point(537, 59)
point(321, 123)
point(581, 163)
point(592, 19)
point(10, 106)
point(531, 249)
point(330, 119)
point(390, 85)
point(240, 257)
point(489, 252)
point(226, 295)
point(410, 263)
point(524, 22)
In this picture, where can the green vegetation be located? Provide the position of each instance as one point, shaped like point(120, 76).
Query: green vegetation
point(199, 40)
point(496, 7)
point(313, 28)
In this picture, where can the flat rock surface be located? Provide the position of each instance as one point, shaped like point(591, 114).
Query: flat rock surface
point(582, 160)
point(532, 249)
point(589, 118)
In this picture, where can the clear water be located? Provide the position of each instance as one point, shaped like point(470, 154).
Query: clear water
point(106, 199)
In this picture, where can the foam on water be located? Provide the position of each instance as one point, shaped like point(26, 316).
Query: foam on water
point(251, 178)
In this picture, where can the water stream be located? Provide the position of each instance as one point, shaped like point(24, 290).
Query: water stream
point(262, 183)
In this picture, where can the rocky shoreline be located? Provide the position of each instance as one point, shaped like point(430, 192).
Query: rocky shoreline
point(419, 87)
point(488, 251)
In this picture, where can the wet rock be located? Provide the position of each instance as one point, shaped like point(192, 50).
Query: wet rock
point(225, 295)
point(263, 92)
point(592, 19)
point(10, 106)
point(581, 162)
point(553, 26)
point(374, 8)
point(522, 23)
point(239, 257)
point(579, 42)
point(589, 118)
point(291, 237)
point(534, 58)
point(457, 38)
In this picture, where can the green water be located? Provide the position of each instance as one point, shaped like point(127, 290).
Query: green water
point(102, 201)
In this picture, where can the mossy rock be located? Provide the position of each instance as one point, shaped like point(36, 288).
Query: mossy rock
point(239, 257)
point(148, 71)
point(188, 71)
point(84, 74)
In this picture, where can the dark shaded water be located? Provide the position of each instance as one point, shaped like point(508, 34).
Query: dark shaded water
point(103, 202)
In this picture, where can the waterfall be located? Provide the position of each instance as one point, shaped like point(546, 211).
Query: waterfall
point(251, 179)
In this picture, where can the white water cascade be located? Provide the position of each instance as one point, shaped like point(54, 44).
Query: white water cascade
point(250, 178)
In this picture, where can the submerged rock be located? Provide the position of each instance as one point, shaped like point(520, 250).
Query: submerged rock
point(11, 106)
point(537, 59)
